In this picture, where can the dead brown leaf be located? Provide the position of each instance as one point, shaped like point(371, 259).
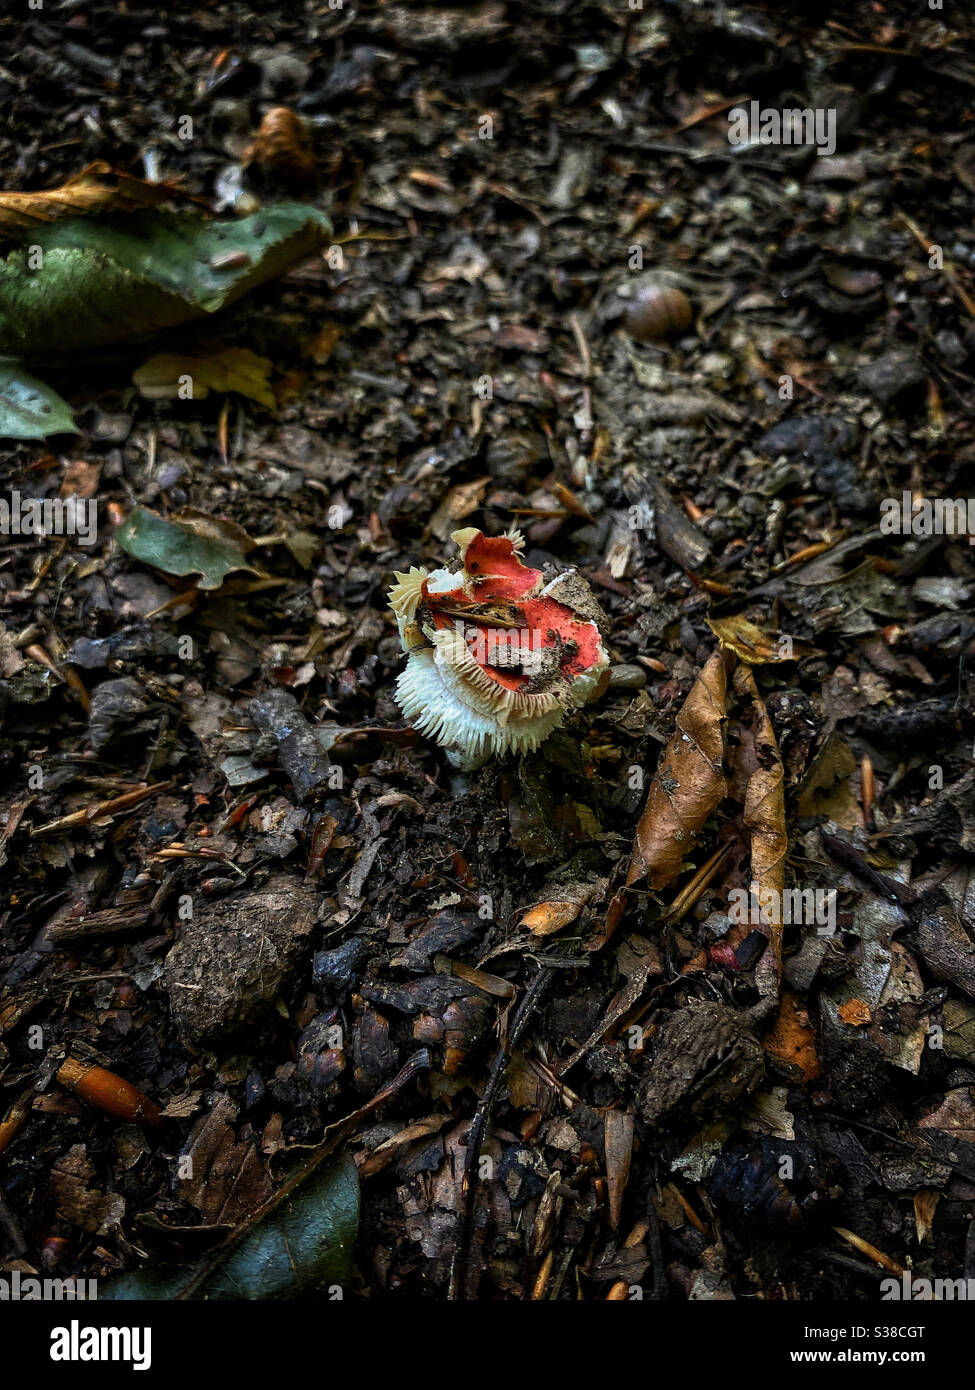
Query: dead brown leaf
point(227, 1178)
point(764, 813)
point(855, 1012)
point(689, 782)
point(459, 502)
point(792, 1038)
point(96, 189)
point(619, 1152)
point(925, 1204)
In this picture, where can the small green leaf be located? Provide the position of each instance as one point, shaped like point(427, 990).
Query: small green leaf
point(304, 545)
point(300, 1243)
point(28, 408)
point(102, 280)
point(191, 543)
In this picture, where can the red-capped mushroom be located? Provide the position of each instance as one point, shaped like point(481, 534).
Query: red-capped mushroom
point(497, 655)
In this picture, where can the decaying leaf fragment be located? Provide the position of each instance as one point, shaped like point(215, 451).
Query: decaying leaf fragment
point(98, 188)
point(190, 543)
point(791, 1040)
point(764, 813)
point(165, 375)
point(689, 782)
point(750, 644)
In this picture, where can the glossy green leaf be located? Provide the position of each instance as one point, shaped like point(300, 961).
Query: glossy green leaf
point(29, 409)
point(91, 281)
point(299, 1243)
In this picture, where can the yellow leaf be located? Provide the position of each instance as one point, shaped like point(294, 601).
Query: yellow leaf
point(749, 643)
point(171, 375)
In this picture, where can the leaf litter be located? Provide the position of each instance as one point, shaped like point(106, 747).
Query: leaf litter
point(571, 1062)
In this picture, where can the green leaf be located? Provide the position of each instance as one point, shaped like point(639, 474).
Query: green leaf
point(102, 280)
point(191, 543)
point(299, 1243)
point(28, 408)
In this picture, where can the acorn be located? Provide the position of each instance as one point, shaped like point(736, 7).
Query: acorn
point(655, 313)
point(108, 1092)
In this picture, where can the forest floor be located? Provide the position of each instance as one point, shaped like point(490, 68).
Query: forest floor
point(668, 1101)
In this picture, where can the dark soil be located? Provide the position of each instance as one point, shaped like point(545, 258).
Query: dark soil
point(263, 940)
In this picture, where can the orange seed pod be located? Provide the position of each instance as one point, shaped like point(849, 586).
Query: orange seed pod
point(108, 1092)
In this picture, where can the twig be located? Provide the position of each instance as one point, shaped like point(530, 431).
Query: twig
point(104, 808)
point(927, 245)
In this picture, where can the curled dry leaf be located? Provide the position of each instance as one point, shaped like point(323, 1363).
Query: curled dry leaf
point(925, 1204)
point(96, 189)
point(558, 908)
point(545, 918)
point(459, 502)
point(764, 813)
point(689, 782)
point(619, 1127)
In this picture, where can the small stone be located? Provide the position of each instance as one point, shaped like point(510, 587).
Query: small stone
point(115, 705)
point(627, 676)
point(892, 375)
point(341, 966)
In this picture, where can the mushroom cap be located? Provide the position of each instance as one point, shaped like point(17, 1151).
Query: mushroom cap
point(496, 658)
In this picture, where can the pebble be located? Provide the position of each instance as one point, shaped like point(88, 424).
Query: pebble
point(627, 677)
